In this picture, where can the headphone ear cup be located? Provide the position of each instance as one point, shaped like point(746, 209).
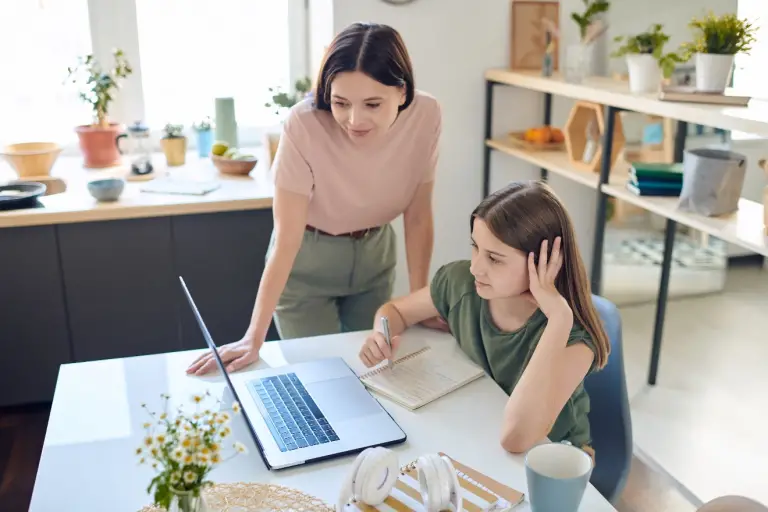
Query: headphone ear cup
point(372, 477)
point(456, 493)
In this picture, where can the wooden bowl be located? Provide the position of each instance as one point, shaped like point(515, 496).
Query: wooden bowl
point(32, 158)
point(229, 166)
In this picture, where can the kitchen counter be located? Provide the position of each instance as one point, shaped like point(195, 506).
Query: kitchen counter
point(85, 281)
point(77, 205)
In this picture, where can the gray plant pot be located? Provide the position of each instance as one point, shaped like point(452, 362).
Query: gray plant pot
point(712, 181)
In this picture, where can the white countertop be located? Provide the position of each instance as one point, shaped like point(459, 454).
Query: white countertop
point(88, 462)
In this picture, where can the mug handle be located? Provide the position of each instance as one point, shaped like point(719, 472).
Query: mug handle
point(117, 142)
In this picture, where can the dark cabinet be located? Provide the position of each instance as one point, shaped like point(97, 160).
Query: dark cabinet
point(120, 287)
point(33, 320)
point(221, 258)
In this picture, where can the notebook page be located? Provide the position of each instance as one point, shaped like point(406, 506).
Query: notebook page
point(423, 378)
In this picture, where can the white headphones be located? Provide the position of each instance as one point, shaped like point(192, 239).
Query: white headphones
point(376, 470)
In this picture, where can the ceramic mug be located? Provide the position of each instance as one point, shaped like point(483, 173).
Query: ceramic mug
point(557, 474)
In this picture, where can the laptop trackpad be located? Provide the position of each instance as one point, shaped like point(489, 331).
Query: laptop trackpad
point(343, 399)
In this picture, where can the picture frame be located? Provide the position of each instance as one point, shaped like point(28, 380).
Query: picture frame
point(528, 35)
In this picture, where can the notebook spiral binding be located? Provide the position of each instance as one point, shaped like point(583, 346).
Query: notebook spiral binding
point(402, 359)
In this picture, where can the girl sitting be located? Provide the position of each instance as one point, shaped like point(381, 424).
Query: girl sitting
point(522, 310)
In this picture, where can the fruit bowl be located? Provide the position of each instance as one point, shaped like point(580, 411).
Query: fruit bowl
point(542, 138)
point(240, 166)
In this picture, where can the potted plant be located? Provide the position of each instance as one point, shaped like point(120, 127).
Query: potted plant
point(174, 144)
point(646, 60)
point(183, 449)
point(204, 131)
point(98, 87)
point(283, 101)
point(578, 57)
point(717, 40)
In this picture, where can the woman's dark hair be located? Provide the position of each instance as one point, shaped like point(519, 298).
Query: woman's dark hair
point(525, 213)
point(376, 50)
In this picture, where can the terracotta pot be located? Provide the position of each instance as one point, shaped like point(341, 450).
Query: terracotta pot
point(175, 149)
point(98, 145)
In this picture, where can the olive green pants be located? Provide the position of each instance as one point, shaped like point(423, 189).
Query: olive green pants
point(336, 283)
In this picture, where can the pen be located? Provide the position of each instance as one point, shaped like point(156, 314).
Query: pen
point(385, 328)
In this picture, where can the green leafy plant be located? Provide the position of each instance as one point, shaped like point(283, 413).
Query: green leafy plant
point(722, 35)
point(651, 43)
point(99, 86)
point(173, 131)
point(591, 9)
point(184, 448)
point(284, 100)
point(204, 125)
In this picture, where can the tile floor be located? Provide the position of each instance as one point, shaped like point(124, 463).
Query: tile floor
point(704, 422)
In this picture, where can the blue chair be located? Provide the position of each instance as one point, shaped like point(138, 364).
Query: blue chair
point(609, 416)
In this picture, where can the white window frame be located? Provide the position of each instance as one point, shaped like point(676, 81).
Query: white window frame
point(114, 24)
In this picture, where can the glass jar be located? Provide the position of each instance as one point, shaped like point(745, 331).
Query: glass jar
point(578, 63)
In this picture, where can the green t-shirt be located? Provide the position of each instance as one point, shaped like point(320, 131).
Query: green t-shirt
point(505, 355)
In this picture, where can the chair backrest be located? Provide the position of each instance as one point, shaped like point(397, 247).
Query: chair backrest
point(609, 415)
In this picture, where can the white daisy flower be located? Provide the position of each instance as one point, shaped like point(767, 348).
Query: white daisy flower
point(149, 441)
point(240, 447)
point(189, 477)
point(197, 398)
point(177, 454)
point(176, 477)
point(215, 458)
point(236, 407)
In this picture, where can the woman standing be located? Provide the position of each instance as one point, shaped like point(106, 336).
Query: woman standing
point(351, 159)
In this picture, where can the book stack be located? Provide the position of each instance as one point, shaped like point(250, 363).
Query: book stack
point(655, 179)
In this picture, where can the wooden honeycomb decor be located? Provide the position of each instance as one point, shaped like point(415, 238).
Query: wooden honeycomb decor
point(576, 141)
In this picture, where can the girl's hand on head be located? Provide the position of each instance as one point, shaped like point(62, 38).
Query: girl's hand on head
point(542, 291)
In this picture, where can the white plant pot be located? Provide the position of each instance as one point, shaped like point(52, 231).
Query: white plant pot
point(713, 72)
point(644, 73)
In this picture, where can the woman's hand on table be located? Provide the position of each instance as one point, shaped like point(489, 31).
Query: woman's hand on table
point(235, 356)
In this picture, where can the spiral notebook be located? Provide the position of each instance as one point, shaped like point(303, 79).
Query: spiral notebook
point(479, 492)
point(419, 378)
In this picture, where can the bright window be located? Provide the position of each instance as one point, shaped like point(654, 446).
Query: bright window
point(185, 53)
point(39, 40)
point(193, 51)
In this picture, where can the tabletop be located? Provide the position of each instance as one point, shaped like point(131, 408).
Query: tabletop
point(88, 459)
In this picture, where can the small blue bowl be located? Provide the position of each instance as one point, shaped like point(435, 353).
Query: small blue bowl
point(107, 189)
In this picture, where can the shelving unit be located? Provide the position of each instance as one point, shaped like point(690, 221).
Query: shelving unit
point(744, 227)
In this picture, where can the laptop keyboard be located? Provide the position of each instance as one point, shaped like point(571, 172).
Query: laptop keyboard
point(294, 418)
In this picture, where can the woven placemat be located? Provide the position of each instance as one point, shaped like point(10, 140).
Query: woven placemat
point(254, 497)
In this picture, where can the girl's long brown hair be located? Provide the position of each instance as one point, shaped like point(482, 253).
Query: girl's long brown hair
point(525, 213)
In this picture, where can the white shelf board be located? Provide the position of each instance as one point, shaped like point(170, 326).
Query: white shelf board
point(750, 119)
point(743, 227)
point(556, 162)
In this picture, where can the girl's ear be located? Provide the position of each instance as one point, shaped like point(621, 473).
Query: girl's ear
point(403, 95)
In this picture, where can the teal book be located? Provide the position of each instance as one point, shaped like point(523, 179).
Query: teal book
point(659, 171)
point(653, 191)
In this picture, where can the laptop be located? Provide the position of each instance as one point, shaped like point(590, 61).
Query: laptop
point(306, 412)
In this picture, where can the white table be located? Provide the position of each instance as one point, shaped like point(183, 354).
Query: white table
point(88, 463)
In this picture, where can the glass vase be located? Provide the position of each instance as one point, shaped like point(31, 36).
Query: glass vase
point(186, 501)
point(578, 63)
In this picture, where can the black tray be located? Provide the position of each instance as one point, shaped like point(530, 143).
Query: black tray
point(25, 196)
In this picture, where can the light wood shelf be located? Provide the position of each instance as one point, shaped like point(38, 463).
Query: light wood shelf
point(743, 227)
point(607, 91)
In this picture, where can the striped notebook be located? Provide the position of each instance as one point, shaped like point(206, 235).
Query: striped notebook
point(481, 493)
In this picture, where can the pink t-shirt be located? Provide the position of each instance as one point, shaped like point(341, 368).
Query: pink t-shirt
point(353, 187)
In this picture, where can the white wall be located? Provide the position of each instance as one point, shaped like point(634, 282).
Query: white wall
point(452, 43)
point(451, 50)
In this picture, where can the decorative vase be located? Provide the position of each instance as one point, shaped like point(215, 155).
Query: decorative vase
point(226, 124)
point(204, 142)
point(175, 149)
point(99, 145)
point(713, 72)
point(186, 501)
point(578, 63)
point(644, 73)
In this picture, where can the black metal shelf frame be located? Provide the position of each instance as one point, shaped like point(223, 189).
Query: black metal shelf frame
point(601, 210)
